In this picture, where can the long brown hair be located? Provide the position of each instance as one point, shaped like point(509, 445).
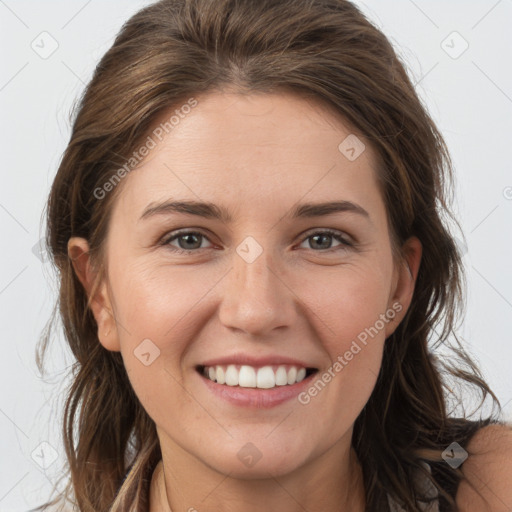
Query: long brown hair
point(326, 49)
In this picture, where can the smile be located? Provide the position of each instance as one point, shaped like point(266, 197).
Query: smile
point(263, 377)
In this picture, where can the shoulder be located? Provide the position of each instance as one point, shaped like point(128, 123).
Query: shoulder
point(487, 483)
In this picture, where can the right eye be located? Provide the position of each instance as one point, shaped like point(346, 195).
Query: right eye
point(190, 237)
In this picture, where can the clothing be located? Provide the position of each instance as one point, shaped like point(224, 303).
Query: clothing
point(427, 487)
point(393, 505)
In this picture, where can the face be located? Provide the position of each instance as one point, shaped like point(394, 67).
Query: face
point(268, 283)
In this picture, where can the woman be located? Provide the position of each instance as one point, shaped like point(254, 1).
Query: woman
point(286, 361)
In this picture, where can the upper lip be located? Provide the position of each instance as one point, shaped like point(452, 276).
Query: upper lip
point(245, 359)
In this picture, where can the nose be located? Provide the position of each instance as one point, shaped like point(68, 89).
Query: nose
point(256, 299)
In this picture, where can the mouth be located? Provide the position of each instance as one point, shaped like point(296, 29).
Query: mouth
point(256, 377)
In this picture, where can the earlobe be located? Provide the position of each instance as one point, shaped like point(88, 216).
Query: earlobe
point(405, 281)
point(97, 292)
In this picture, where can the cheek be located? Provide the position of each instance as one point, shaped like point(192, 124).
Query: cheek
point(171, 305)
point(160, 302)
point(346, 302)
point(156, 309)
point(351, 314)
point(165, 303)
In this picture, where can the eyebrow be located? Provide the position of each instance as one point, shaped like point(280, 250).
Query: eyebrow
point(212, 211)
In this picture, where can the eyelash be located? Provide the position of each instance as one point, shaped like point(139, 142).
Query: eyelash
point(346, 245)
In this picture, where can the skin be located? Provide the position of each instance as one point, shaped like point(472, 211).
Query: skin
point(256, 155)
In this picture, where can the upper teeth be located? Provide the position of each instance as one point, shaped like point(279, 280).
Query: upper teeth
point(249, 377)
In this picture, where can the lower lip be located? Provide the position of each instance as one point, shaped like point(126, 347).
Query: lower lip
point(255, 397)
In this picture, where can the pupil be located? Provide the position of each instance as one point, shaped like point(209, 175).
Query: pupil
point(321, 236)
point(187, 237)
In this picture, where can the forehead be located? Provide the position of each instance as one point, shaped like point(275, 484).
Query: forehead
point(252, 149)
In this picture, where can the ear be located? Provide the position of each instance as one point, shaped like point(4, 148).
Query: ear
point(404, 280)
point(97, 293)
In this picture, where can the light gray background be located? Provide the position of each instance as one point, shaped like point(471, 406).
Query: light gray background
point(470, 97)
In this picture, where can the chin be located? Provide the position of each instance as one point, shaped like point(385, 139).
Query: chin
point(258, 460)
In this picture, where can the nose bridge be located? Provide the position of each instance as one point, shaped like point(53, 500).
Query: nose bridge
point(256, 299)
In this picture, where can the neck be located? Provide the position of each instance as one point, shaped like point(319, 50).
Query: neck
point(326, 483)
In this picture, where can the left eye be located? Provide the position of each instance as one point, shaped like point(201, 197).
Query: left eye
point(318, 236)
point(193, 238)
